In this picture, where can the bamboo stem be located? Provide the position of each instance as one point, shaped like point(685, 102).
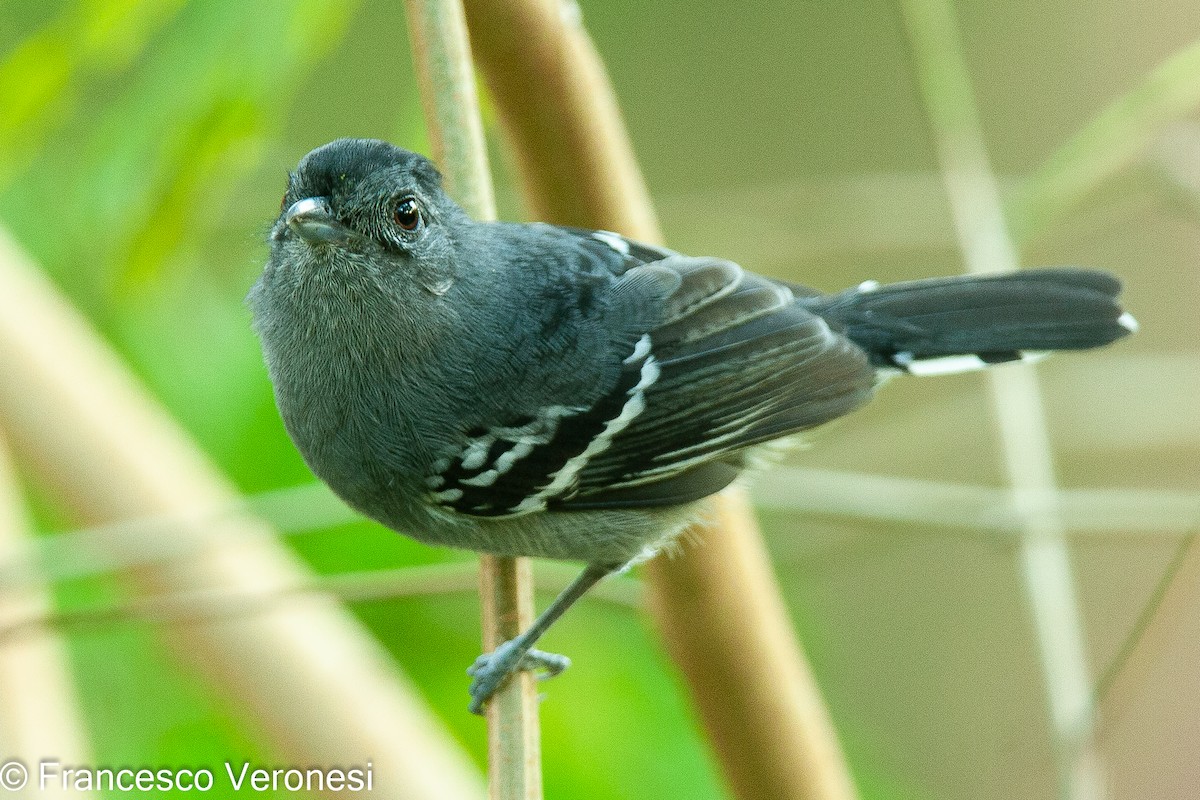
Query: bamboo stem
point(988, 246)
point(316, 684)
point(443, 59)
point(756, 693)
point(577, 166)
point(514, 745)
point(560, 115)
point(39, 714)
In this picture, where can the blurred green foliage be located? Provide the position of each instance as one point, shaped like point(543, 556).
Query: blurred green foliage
point(143, 147)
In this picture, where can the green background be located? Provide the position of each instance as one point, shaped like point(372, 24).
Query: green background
point(143, 150)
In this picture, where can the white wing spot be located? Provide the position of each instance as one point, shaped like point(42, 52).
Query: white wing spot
point(475, 455)
point(486, 478)
point(785, 295)
point(522, 441)
point(613, 240)
point(640, 351)
point(565, 476)
point(505, 462)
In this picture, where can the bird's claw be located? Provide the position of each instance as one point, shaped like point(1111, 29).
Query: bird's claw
point(491, 670)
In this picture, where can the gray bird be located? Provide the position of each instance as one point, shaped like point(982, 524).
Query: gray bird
point(535, 390)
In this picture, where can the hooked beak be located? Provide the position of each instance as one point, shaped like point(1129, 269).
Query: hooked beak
point(312, 220)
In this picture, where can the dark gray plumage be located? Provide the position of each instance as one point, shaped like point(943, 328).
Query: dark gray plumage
point(547, 391)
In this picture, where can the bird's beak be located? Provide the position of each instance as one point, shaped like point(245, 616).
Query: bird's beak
point(312, 220)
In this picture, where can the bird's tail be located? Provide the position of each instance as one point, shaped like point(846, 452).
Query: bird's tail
point(947, 325)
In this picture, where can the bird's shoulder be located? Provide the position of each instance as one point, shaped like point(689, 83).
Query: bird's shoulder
point(567, 293)
point(571, 252)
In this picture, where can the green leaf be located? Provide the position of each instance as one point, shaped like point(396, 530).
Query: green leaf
point(1115, 138)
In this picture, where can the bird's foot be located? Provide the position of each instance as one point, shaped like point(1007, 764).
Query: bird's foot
point(491, 670)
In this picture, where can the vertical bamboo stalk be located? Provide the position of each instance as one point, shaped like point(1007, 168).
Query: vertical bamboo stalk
point(443, 59)
point(749, 678)
point(987, 246)
point(769, 725)
point(317, 685)
point(514, 736)
point(442, 56)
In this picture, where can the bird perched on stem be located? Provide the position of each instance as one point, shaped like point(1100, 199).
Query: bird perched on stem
point(535, 390)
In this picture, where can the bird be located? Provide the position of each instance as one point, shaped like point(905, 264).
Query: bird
point(529, 389)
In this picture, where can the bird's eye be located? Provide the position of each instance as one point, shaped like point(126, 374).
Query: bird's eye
point(407, 214)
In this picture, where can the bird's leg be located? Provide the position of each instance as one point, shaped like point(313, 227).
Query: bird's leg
point(492, 669)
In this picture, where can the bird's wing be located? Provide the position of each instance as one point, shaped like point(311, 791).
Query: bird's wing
point(731, 362)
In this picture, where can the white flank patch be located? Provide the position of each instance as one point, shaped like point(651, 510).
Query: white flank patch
point(868, 286)
point(565, 476)
point(1127, 322)
point(613, 240)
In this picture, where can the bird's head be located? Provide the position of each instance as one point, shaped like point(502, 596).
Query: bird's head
point(366, 204)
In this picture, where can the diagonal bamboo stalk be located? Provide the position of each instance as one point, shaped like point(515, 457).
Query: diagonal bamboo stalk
point(1110, 141)
point(317, 685)
point(443, 60)
point(39, 714)
point(751, 683)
